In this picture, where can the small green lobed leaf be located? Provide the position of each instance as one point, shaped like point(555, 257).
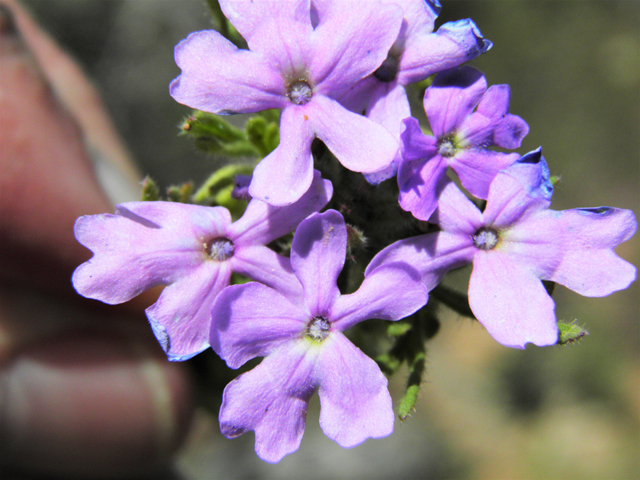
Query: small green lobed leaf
point(570, 332)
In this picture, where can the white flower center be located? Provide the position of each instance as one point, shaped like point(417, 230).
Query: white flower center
point(447, 146)
point(485, 238)
point(219, 249)
point(318, 329)
point(300, 92)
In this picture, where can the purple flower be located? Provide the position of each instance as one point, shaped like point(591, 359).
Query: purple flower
point(192, 250)
point(305, 348)
point(417, 53)
point(460, 137)
point(300, 69)
point(514, 244)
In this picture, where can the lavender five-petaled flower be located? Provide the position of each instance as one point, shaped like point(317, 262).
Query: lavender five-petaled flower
point(514, 244)
point(305, 349)
point(460, 137)
point(291, 65)
point(193, 250)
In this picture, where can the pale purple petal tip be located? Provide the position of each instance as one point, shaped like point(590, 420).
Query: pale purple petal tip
point(533, 173)
point(511, 302)
point(318, 254)
point(589, 265)
point(354, 401)
point(181, 317)
point(510, 132)
point(460, 90)
point(432, 255)
point(375, 300)
point(272, 401)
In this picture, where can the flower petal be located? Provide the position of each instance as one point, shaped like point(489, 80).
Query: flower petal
point(272, 401)
point(283, 176)
point(452, 97)
point(391, 292)
point(252, 320)
point(477, 168)
point(351, 44)
point(495, 101)
point(455, 212)
point(432, 255)
point(589, 266)
point(419, 15)
point(143, 245)
point(418, 182)
point(453, 44)
point(511, 302)
point(389, 106)
point(318, 253)
point(218, 77)
point(354, 401)
point(181, 317)
point(536, 241)
point(510, 132)
point(290, 53)
point(263, 265)
point(248, 15)
point(521, 189)
point(358, 143)
point(263, 223)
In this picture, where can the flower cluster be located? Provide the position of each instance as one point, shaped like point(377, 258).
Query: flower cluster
point(339, 75)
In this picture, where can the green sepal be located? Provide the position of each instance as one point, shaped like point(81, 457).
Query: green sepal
point(150, 190)
point(554, 179)
point(180, 193)
point(213, 134)
point(570, 332)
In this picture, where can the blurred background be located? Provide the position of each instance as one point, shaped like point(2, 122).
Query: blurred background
point(486, 411)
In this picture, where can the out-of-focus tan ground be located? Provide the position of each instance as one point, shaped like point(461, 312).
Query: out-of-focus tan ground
point(486, 411)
